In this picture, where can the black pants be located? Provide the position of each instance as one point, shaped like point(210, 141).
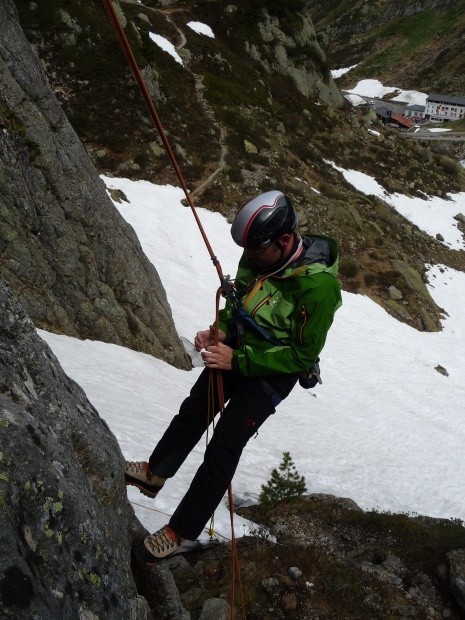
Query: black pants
point(251, 402)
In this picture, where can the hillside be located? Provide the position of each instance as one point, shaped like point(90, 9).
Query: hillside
point(413, 45)
point(251, 108)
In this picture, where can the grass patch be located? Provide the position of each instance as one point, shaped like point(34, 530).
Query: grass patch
point(407, 35)
point(233, 83)
point(335, 13)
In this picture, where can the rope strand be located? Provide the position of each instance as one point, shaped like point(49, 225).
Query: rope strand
point(219, 379)
point(126, 47)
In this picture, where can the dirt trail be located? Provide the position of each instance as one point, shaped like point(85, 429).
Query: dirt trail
point(167, 12)
point(199, 88)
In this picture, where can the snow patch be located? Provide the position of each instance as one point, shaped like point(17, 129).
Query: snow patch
point(166, 46)
point(336, 73)
point(432, 214)
point(200, 28)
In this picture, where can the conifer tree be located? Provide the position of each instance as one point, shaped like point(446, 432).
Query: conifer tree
point(284, 483)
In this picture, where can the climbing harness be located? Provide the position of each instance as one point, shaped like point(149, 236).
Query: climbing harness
point(224, 281)
point(242, 319)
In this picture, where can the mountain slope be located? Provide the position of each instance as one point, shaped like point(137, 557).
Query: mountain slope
point(414, 45)
point(249, 109)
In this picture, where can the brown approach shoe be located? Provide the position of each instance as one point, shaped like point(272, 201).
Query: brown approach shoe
point(138, 474)
point(160, 545)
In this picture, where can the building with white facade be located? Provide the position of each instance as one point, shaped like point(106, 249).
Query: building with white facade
point(415, 111)
point(441, 108)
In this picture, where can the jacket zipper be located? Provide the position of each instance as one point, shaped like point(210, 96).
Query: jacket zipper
point(258, 306)
point(251, 294)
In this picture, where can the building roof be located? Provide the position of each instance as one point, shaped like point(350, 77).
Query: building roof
point(451, 99)
point(383, 112)
point(415, 107)
point(402, 120)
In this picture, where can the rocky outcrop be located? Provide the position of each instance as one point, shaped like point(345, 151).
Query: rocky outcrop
point(75, 264)
point(298, 57)
point(65, 523)
point(302, 553)
point(456, 561)
point(426, 304)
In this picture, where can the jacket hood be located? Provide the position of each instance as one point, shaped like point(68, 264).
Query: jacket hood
point(320, 254)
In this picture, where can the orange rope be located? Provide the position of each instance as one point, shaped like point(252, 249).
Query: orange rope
point(235, 568)
point(153, 113)
point(126, 47)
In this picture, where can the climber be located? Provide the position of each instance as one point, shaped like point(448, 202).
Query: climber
point(287, 284)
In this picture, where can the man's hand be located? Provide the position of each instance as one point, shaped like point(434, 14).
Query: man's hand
point(206, 338)
point(218, 357)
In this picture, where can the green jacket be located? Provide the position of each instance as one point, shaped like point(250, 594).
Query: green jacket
point(297, 307)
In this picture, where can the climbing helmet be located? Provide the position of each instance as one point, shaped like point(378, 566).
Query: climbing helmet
point(262, 220)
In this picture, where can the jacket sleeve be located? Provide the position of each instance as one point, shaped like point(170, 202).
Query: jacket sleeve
point(311, 320)
point(226, 320)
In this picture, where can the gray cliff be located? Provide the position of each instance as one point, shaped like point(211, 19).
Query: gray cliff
point(65, 523)
point(75, 264)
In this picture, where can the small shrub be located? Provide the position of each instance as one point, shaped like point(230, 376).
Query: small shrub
point(387, 278)
point(348, 267)
point(330, 190)
point(370, 279)
point(352, 286)
point(259, 158)
point(283, 484)
point(451, 168)
point(235, 174)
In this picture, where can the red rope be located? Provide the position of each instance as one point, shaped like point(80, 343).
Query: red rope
point(235, 568)
point(126, 47)
point(219, 379)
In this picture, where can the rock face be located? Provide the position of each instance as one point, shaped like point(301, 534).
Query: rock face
point(299, 57)
point(456, 561)
point(65, 522)
point(75, 264)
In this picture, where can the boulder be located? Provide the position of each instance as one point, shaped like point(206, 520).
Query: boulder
point(249, 147)
point(394, 293)
point(215, 609)
point(65, 523)
point(456, 561)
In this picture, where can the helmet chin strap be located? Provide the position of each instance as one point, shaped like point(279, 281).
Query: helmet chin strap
point(281, 248)
point(281, 264)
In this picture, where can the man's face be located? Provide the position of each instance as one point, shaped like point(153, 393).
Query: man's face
point(265, 258)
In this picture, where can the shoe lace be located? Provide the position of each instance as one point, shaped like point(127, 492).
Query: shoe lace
point(138, 467)
point(163, 539)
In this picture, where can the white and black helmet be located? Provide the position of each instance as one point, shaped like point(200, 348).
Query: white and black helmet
point(263, 219)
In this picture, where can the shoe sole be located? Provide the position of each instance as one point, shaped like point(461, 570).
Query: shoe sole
point(148, 492)
point(144, 557)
